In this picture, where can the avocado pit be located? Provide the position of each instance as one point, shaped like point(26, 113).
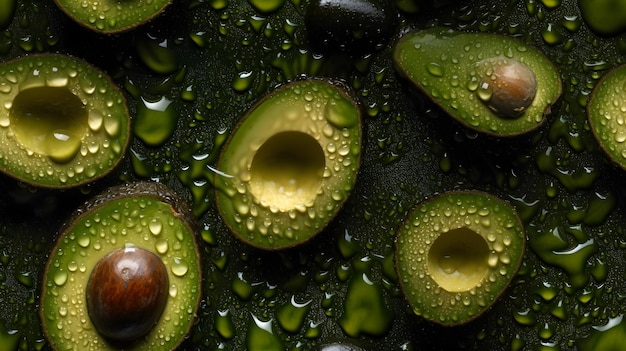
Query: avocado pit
point(508, 87)
point(126, 293)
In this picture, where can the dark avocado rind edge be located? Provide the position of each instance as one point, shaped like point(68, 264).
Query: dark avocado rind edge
point(125, 130)
point(515, 268)
point(180, 209)
point(599, 101)
point(484, 110)
point(84, 22)
point(346, 94)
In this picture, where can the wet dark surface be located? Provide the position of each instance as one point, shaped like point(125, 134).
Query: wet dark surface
point(209, 61)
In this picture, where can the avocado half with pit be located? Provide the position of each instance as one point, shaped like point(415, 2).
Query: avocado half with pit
point(63, 122)
point(606, 112)
point(112, 16)
point(124, 274)
point(290, 164)
point(456, 253)
point(490, 83)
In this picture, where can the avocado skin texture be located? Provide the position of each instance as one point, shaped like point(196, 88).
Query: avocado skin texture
point(135, 205)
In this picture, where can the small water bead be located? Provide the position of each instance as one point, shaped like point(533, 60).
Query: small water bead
point(179, 267)
point(435, 69)
point(155, 226)
point(60, 277)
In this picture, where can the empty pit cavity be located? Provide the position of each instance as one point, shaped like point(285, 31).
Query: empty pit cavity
point(458, 260)
point(287, 171)
point(49, 121)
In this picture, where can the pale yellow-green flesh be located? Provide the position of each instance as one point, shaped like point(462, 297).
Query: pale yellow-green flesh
point(456, 253)
point(607, 115)
point(449, 67)
point(458, 260)
point(109, 16)
point(142, 221)
point(62, 122)
point(290, 165)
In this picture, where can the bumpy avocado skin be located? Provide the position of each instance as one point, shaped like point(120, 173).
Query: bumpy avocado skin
point(144, 214)
point(461, 249)
point(290, 164)
point(65, 122)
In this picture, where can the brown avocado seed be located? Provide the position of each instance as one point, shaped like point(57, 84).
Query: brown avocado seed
point(508, 88)
point(126, 293)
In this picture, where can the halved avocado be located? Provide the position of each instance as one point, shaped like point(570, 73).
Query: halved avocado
point(490, 83)
point(125, 273)
point(290, 164)
point(456, 253)
point(63, 123)
point(112, 16)
point(606, 112)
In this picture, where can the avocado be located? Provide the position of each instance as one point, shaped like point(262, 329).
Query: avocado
point(110, 16)
point(125, 273)
point(63, 122)
point(290, 164)
point(606, 113)
point(605, 17)
point(490, 83)
point(456, 253)
point(355, 27)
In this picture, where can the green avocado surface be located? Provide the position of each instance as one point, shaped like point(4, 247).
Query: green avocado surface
point(290, 164)
point(110, 16)
point(607, 113)
point(448, 66)
point(142, 215)
point(63, 122)
point(456, 254)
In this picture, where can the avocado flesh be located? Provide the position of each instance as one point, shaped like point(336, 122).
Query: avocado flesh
point(143, 215)
point(456, 254)
point(607, 112)
point(110, 16)
point(289, 165)
point(449, 66)
point(63, 123)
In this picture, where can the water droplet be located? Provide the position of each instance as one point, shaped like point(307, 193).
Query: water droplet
point(365, 311)
point(84, 241)
point(161, 246)
point(243, 81)
point(61, 146)
point(156, 120)
point(224, 324)
point(60, 277)
point(179, 267)
point(267, 6)
point(341, 113)
point(155, 226)
point(435, 69)
point(157, 54)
